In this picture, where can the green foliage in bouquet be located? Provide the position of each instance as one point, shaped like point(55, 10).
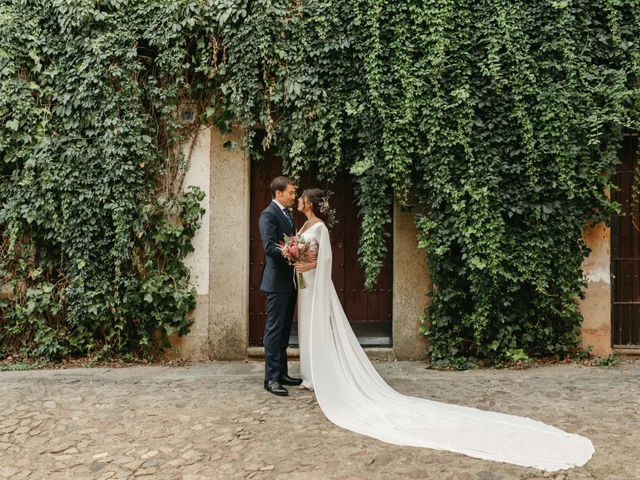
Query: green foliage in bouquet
point(497, 122)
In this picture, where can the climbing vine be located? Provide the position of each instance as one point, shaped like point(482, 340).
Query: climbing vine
point(497, 122)
point(95, 226)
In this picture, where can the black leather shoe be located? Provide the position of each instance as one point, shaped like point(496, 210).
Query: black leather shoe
point(275, 388)
point(287, 380)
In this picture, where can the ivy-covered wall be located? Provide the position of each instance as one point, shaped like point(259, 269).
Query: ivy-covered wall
point(94, 226)
point(496, 121)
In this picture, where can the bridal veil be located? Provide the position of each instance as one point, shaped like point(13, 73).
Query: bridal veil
point(354, 396)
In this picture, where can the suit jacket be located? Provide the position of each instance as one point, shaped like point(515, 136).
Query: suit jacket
point(277, 274)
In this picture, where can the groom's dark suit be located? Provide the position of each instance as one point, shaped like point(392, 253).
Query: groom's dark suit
point(278, 284)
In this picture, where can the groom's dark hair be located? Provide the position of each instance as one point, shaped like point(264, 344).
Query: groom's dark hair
point(280, 183)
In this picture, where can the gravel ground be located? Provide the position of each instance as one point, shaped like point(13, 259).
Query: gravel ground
point(215, 421)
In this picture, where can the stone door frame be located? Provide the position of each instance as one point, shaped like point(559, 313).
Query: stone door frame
point(228, 325)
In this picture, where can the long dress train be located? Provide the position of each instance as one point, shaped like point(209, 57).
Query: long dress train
point(354, 396)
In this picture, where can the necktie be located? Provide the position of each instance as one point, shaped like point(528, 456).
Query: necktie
point(288, 215)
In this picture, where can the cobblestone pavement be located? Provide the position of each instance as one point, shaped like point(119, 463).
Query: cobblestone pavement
point(215, 421)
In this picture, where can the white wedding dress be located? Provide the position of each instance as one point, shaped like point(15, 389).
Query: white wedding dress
point(354, 396)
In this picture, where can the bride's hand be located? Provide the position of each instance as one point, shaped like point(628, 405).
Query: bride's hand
point(302, 267)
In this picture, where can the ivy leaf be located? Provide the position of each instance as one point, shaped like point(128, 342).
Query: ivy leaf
point(360, 167)
point(13, 124)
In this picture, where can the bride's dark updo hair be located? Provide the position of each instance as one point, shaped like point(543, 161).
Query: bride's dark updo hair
point(319, 203)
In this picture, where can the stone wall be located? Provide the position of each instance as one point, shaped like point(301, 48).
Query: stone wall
point(229, 249)
point(195, 345)
point(596, 307)
point(411, 283)
point(220, 266)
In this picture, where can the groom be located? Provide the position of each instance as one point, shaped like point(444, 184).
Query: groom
point(278, 284)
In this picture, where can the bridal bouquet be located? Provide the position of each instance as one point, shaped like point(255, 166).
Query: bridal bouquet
point(295, 249)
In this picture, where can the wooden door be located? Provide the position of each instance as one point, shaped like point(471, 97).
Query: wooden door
point(625, 253)
point(368, 312)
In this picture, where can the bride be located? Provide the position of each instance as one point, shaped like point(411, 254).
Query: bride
point(354, 396)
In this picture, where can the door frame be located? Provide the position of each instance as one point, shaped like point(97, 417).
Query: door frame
point(369, 334)
point(615, 235)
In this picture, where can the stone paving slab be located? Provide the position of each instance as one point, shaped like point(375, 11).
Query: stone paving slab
point(215, 421)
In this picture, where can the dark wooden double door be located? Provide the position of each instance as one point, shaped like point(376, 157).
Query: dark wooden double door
point(625, 252)
point(370, 313)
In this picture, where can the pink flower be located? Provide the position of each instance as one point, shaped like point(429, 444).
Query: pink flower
point(293, 249)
